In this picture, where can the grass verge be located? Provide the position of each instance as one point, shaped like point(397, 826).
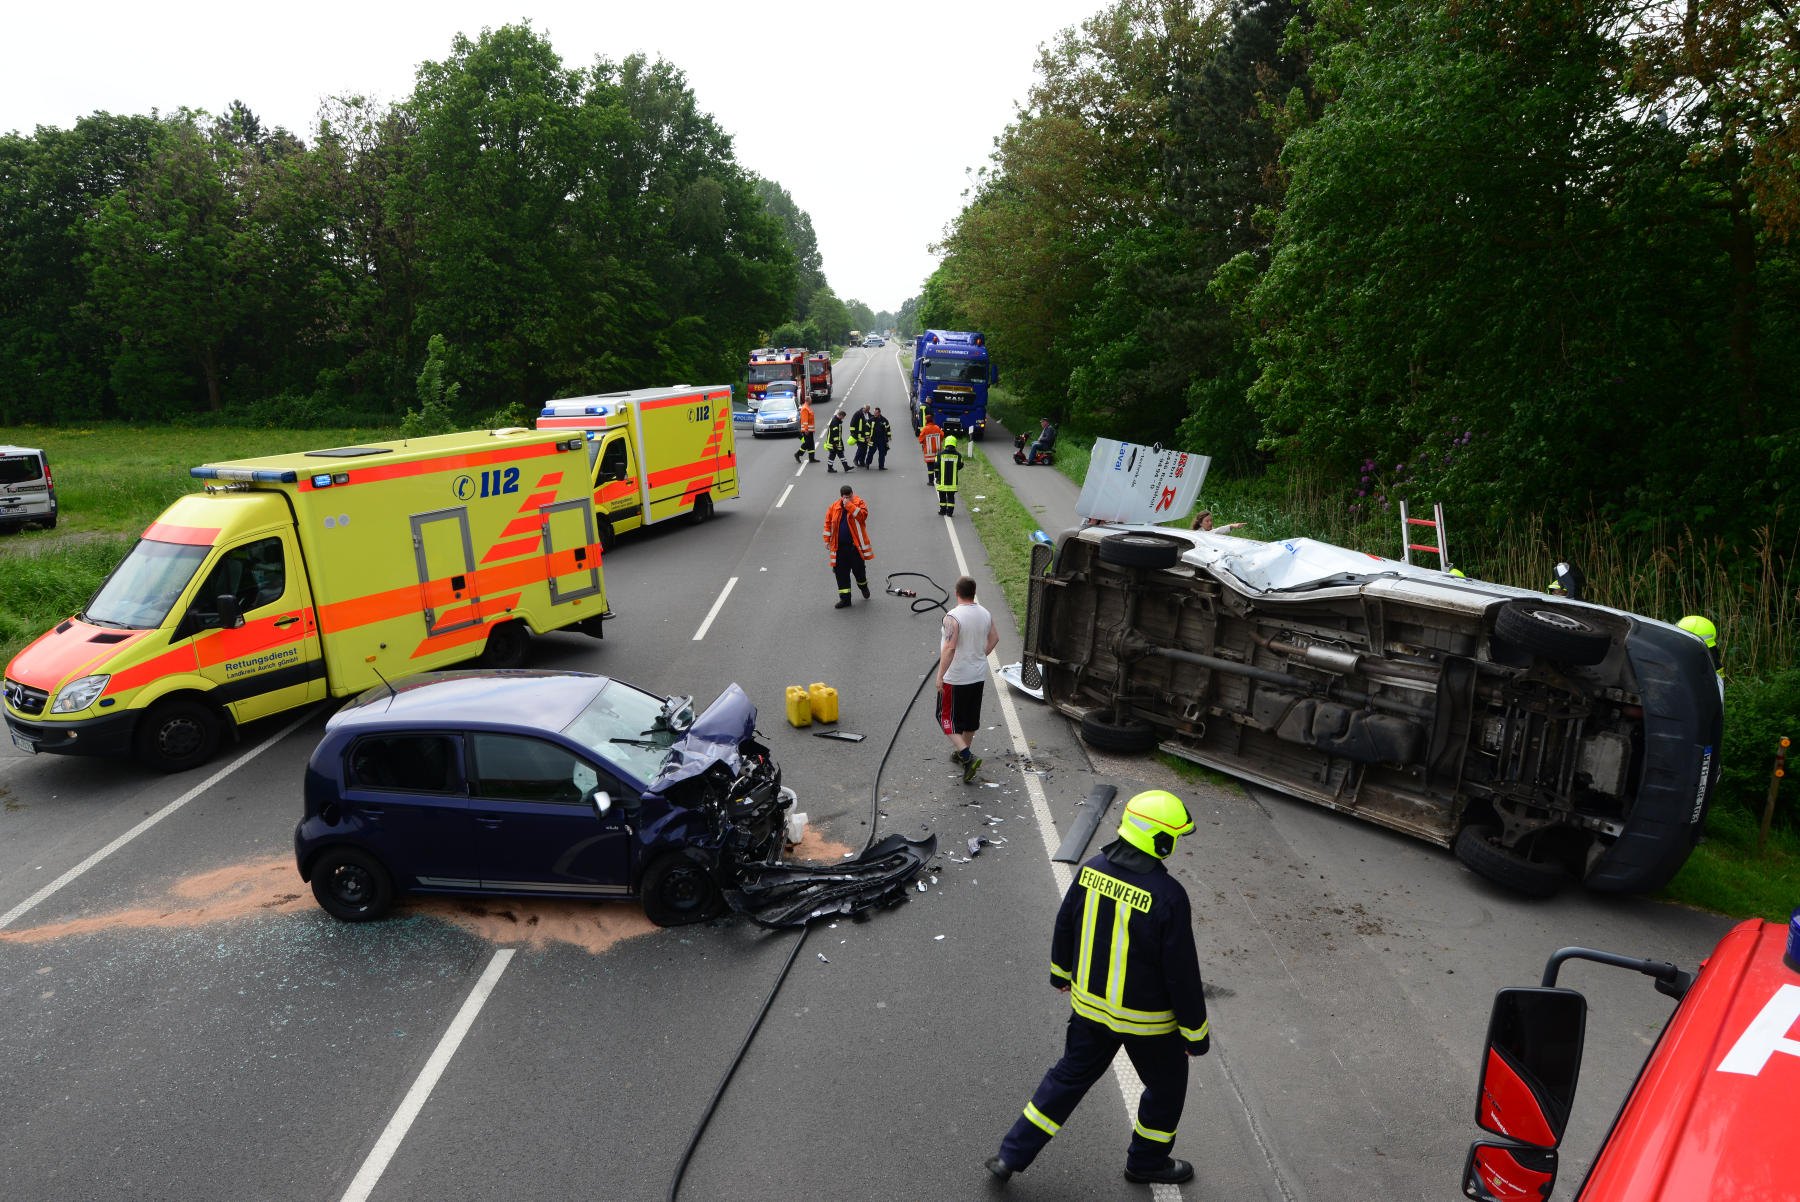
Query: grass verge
point(114, 478)
point(1005, 527)
point(38, 591)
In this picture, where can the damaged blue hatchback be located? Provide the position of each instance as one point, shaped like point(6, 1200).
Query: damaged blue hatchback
point(538, 784)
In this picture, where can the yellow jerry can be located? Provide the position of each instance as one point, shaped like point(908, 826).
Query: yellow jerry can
point(824, 702)
point(799, 706)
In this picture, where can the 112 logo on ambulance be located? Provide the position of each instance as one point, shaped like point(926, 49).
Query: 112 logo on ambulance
point(491, 484)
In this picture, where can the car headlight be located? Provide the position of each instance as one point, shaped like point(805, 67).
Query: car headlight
point(79, 695)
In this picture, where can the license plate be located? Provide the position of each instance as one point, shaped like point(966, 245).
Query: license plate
point(22, 743)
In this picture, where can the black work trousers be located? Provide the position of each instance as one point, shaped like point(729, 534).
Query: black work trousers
point(849, 565)
point(947, 501)
point(1161, 1061)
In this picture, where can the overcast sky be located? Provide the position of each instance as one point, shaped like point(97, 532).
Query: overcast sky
point(870, 117)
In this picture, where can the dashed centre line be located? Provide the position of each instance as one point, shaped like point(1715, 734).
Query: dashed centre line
point(716, 607)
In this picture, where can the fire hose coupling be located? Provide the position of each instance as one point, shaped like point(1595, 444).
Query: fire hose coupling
point(894, 591)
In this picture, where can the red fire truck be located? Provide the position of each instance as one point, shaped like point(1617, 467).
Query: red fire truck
point(1712, 1110)
point(771, 363)
point(818, 373)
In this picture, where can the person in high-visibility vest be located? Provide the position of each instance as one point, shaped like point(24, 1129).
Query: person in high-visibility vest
point(931, 441)
point(806, 434)
point(949, 476)
point(1124, 953)
point(847, 542)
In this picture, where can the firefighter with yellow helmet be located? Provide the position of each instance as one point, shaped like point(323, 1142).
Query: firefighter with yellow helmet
point(1124, 953)
point(1703, 629)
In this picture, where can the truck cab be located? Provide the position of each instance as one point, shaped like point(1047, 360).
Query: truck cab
point(951, 374)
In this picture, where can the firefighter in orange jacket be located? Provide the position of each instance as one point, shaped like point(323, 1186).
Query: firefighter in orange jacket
point(931, 441)
point(847, 541)
point(806, 434)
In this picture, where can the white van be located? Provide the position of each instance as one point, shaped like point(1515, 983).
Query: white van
point(27, 494)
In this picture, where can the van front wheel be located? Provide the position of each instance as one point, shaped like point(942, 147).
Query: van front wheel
point(177, 734)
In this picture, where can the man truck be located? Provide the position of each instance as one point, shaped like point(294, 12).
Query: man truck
point(951, 373)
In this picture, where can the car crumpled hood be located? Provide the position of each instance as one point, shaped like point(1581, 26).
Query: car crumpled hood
point(712, 739)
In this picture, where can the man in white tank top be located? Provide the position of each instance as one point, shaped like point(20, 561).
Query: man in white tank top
point(968, 637)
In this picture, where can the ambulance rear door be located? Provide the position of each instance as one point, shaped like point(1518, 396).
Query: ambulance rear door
point(689, 443)
point(266, 659)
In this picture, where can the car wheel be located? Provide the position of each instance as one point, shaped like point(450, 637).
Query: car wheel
point(1141, 550)
point(177, 734)
point(352, 885)
point(606, 536)
point(507, 646)
point(1476, 848)
point(49, 523)
point(1550, 632)
point(1105, 730)
point(678, 890)
point(703, 508)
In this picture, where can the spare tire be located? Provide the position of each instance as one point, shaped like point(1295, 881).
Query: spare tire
point(1552, 633)
point(1105, 730)
point(1141, 549)
point(1476, 848)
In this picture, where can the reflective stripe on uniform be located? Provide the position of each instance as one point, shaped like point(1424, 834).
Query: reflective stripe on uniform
point(1040, 1119)
point(1119, 1018)
point(1059, 972)
point(1196, 1036)
point(1161, 1137)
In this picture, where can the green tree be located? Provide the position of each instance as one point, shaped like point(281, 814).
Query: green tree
point(798, 226)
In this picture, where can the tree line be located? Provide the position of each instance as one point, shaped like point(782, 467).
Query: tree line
point(1517, 256)
point(559, 229)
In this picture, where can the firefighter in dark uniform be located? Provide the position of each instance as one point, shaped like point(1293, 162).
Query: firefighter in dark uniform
point(949, 469)
point(834, 444)
point(1124, 953)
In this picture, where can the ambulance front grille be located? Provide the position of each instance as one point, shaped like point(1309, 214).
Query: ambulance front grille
point(24, 698)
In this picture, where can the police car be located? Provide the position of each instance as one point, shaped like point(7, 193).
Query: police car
point(780, 412)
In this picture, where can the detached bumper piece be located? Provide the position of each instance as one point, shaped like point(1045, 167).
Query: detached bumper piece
point(792, 895)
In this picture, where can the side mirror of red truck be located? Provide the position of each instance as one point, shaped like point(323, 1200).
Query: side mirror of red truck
point(1528, 1075)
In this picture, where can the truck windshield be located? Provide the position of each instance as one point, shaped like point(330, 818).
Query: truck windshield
point(145, 586)
point(766, 373)
point(620, 725)
point(956, 371)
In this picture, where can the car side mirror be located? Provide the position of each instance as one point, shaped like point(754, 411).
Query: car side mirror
point(1531, 1063)
point(602, 804)
point(1508, 1173)
point(230, 616)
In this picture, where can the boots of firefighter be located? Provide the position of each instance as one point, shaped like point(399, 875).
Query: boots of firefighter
point(843, 599)
point(864, 586)
point(830, 469)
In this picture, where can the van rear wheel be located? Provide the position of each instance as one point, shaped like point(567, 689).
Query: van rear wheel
point(703, 508)
point(177, 734)
point(507, 646)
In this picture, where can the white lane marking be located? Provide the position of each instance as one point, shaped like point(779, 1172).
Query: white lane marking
point(8, 918)
point(784, 496)
point(717, 606)
point(1131, 1086)
point(801, 468)
point(414, 1101)
point(858, 380)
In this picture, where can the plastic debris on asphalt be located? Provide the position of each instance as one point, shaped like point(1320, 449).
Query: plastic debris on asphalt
point(975, 842)
point(921, 886)
point(822, 959)
point(939, 938)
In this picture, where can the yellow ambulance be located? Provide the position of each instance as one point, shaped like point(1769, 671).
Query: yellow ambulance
point(657, 453)
point(323, 573)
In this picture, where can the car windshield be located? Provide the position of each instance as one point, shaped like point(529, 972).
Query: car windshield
point(145, 586)
point(627, 727)
point(960, 371)
point(19, 469)
point(779, 402)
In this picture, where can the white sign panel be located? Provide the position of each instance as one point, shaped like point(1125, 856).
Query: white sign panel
point(1130, 482)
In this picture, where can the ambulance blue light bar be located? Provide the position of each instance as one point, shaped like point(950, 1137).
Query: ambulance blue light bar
point(589, 411)
point(250, 475)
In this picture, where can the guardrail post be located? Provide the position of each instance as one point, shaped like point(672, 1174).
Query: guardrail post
point(1774, 786)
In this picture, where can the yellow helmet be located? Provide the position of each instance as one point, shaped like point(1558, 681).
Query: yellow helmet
point(1555, 586)
point(1153, 821)
point(1701, 629)
point(1458, 573)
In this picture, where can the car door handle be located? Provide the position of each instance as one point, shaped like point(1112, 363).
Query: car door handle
point(287, 621)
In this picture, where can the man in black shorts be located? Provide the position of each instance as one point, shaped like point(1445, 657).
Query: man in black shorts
point(968, 637)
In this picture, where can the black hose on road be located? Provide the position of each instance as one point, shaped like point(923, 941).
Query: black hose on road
point(919, 605)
